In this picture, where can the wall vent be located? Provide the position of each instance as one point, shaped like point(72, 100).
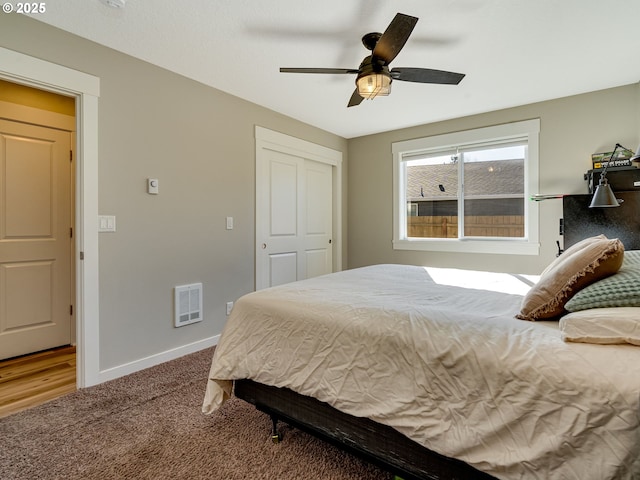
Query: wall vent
point(188, 304)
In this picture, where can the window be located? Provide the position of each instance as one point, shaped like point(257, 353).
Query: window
point(468, 191)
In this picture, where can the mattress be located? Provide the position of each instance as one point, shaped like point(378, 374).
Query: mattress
point(438, 355)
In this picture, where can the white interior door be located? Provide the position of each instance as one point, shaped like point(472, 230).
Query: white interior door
point(294, 215)
point(35, 238)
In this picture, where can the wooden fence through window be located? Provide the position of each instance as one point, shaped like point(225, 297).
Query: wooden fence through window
point(475, 226)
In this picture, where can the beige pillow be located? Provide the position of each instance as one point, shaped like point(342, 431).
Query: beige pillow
point(580, 265)
point(603, 326)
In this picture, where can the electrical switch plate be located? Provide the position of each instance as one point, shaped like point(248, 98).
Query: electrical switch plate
point(229, 223)
point(106, 223)
point(229, 307)
point(152, 186)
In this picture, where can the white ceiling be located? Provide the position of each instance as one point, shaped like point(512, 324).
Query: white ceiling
point(513, 52)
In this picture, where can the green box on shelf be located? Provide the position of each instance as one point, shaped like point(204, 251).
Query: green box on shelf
point(601, 160)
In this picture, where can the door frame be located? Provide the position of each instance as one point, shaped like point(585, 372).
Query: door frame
point(24, 69)
point(271, 140)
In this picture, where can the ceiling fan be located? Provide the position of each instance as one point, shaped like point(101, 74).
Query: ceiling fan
point(373, 76)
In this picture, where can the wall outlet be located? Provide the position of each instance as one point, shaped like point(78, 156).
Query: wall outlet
point(229, 307)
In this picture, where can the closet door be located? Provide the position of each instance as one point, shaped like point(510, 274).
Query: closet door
point(294, 205)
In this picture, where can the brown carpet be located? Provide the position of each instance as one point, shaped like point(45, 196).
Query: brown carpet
point(148, 425)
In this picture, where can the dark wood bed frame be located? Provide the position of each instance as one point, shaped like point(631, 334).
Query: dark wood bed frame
point(376, 443)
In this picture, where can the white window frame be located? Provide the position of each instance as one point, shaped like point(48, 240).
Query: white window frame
point(406, 150)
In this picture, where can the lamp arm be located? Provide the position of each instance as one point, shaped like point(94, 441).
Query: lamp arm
point(612, 158)
point(603, 174)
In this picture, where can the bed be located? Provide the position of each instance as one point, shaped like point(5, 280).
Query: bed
point(427, 372)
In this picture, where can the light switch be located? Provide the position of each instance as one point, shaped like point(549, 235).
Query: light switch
point(152, 186)
point(229, 223)
point(106, 223)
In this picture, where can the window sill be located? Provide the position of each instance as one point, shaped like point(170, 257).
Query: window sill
point(508, 247)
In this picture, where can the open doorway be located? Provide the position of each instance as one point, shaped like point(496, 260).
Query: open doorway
point(85, 88)
point(37, 242)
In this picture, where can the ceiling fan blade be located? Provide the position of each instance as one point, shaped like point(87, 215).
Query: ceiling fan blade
point(355, 99)
point(426, 75)
point(319, 70)
point(394, 37)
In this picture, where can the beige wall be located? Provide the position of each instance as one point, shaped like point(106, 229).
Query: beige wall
point(571, 129)
point(199, 143)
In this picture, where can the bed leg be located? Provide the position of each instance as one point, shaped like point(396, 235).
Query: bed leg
point(275, 435)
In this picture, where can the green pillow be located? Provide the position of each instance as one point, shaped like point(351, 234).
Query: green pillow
point(621, 289)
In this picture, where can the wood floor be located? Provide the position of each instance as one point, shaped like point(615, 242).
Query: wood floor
point(34, 379)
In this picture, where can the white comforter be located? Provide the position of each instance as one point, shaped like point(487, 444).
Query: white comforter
point(449, 367)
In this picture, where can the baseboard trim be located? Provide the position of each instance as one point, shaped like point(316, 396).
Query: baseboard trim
point(157, 359)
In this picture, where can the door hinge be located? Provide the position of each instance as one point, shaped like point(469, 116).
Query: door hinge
point(70, 309)
point(71, 232)
point(71, 155)
point(81, 255)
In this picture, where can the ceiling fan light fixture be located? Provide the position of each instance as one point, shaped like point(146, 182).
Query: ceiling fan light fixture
point(373, 76)
point(373, 85)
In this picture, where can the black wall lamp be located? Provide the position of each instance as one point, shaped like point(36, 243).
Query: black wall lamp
point(604, 196)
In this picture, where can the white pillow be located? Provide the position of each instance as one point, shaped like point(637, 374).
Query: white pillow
point(604, 326)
